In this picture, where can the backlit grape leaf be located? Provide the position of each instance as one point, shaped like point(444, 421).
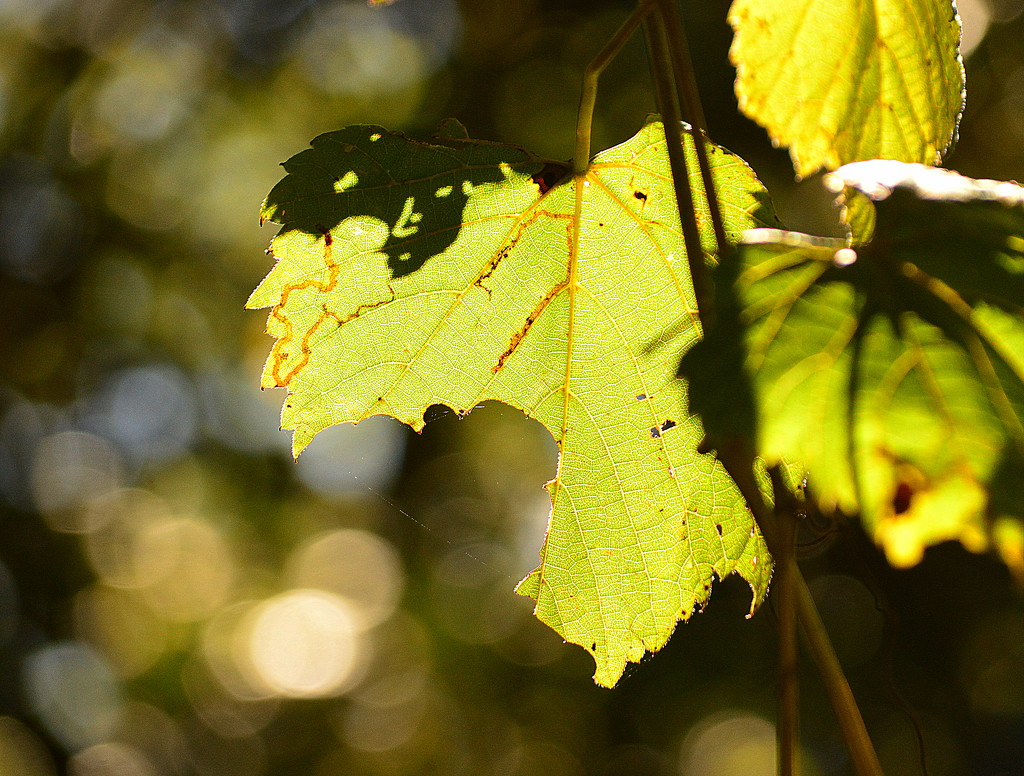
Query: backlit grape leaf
point(453, 272)
point(894, 372)
point(846, 80)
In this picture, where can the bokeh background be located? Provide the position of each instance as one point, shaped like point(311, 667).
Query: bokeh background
point(178, 597)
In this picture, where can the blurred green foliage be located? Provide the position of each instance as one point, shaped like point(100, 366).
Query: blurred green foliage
point(178, 597)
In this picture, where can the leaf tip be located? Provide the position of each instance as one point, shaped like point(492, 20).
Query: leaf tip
point(609, 670)
point(301, 438)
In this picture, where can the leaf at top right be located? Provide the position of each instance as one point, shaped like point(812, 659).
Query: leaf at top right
point(840, 81)
point(894, 373)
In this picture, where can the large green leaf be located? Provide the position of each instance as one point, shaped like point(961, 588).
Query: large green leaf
point(411, 274)
point(894, 373)
point(845, 80)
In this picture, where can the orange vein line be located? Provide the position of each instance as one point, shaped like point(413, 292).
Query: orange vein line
point(278, 354)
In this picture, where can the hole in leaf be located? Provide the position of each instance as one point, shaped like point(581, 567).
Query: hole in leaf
point(655, 432)
point(549, 176)
point(667, 425)
point(718, 527)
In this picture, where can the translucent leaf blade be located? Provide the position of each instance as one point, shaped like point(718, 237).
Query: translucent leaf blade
point(839, 81)
point(894, 373)
point(571, 304)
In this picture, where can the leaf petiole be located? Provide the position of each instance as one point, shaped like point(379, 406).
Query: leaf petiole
point(588, 95)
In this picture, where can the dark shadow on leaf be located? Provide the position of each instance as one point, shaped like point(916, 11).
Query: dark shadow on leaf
point(418, 189)
point(1006, 488)
point(975, 247)
point(916, 291)
point(718, 386)
point(764, 214)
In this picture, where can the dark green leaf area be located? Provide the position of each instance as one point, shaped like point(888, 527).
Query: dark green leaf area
point(419, 190)
point(973, 247)
point(895, 373)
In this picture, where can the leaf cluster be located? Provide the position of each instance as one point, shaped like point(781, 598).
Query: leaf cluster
point(886, 366)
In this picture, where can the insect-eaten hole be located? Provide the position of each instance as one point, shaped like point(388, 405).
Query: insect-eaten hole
point(641, 396)
point(718, 527)
point(657, 431)
point(640, 195)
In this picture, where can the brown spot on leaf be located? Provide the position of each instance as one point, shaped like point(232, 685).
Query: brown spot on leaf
point(342, 320)
point(902, 498)
point(517, 338)
point(492, 264)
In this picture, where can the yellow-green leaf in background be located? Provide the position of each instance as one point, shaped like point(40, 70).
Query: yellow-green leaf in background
point(840, 81)
point(893, 372)
point(455, 272)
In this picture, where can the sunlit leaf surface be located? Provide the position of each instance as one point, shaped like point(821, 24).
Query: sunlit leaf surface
point(412, 274)
point(846, 80)
point(895, 372)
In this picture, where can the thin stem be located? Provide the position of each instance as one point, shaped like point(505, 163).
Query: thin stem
point(675, 85)
point(738, 462)
point(865, 760)
point(588, 96)
point(788, 670)
point(693, 112)
point(668, 107)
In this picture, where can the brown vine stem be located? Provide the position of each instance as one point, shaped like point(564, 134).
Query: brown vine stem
point(693, 112)
point(670, 63)
point(738, 461)
point(665, 95)
point(588, 95)
point(788, 668)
